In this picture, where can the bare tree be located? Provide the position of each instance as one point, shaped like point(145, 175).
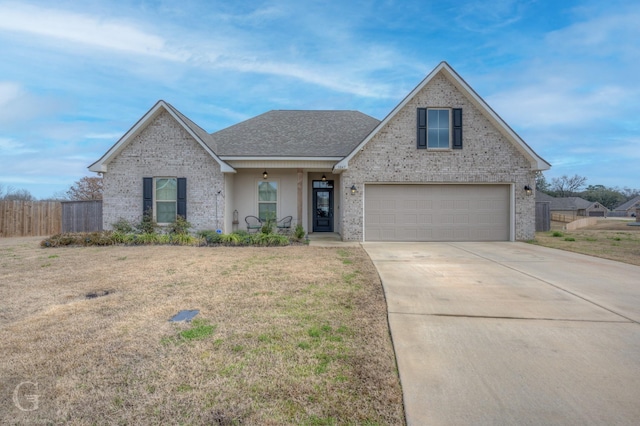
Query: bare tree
point(87, 188)
point(10, 193)
point(567, 186)
point(541, 182)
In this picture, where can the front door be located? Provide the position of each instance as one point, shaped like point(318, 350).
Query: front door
point(322, 206)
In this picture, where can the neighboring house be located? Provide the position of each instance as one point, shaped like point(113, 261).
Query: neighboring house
point(442, 166)
point(574, 207)
point(629, 208)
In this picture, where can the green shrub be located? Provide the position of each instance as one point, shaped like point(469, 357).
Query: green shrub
point(123, 226)
point(557, 234)
point(179, 226)
point(261, 239)
point(243, 233)
point(210, 237)
point(569, 239)
point(299, 232)
point(183, 239)
point(147, 224)
point(147, 238)
point(232, 239)
point(267, 226)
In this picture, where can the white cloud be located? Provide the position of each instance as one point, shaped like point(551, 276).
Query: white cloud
point(111, 34)
point(600, 34)
point(555, 102)
point(8, 92)
point(11, 147)
point(108, 135)
point(310, 57)
point(18, 106)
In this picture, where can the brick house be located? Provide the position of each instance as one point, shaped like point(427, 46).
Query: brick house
point(442, 166)
point(573, 207)
point(628, 208)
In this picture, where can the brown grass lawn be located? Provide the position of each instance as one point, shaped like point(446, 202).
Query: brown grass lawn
point(289, 335)
point(609, 239)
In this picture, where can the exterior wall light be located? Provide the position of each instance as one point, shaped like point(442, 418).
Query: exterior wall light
point(265, 174)
point(527, 190)
point(324, 178)
point(353, 189)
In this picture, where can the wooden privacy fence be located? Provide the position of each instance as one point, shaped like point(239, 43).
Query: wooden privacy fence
point(543, 216)
point(29, 218)
point(557, 217)
point(82, 216)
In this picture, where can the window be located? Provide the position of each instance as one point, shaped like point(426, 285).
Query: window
point(267, 200)
point(166, 199)
point(439, 128)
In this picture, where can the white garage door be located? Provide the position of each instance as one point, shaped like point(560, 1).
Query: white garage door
point(423, 212)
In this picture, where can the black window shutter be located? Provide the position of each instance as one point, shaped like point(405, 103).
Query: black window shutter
point(422, 128)
point(147, 195)
point(182, 197)
point(457, 128)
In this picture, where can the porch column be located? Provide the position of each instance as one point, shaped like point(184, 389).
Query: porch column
point(299, 196)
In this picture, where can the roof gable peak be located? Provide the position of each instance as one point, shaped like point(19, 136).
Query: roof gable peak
point(537, 162)
point(198, 134)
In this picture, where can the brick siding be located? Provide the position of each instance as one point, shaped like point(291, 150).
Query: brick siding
point(164, 149)
point(391, 156)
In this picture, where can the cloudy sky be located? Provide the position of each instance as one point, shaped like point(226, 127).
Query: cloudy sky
point(75, 76)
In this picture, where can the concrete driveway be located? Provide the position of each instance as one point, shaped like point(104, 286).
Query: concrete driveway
point(512, 334)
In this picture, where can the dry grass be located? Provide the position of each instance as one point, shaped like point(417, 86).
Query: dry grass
point(608, 239)
point(290, 335)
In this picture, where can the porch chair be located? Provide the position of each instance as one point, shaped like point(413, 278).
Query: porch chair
point(254, 224)
point(284, 224)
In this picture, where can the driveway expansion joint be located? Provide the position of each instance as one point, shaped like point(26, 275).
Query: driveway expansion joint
point(515, 318)
point(548, 283)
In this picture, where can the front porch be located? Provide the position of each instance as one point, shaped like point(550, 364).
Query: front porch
point(312, 197)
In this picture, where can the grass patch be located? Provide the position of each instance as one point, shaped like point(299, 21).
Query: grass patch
point(609, 239)
point(200, 330)
point(285, 334)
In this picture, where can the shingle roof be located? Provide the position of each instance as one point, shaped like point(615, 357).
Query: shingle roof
point(283, 133)
point(626, 206)
point(202, 134)
point(565, 203)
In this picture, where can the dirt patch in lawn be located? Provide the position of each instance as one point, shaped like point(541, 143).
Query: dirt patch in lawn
point(290, 335)
point(608, 239)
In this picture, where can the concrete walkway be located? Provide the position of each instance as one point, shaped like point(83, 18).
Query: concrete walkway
point(512, 334)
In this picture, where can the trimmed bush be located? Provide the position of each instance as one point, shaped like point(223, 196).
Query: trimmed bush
point(210, 237)
point(299, 232)
point(123, 226)
point(180, 226)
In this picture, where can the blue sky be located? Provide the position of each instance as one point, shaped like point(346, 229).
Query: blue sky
point(75, 76)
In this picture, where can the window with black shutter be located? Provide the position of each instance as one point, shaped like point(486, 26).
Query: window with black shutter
point(439, 128)
point(165, 198)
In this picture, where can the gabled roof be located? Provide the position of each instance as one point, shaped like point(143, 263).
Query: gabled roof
point(564, 203)
point(537, 162)
point(629, 204)
point(283, 134)
point(202, 137)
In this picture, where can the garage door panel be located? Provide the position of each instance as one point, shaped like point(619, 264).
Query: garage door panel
point(422, 212)
point(425, 218)
point(410, 219)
